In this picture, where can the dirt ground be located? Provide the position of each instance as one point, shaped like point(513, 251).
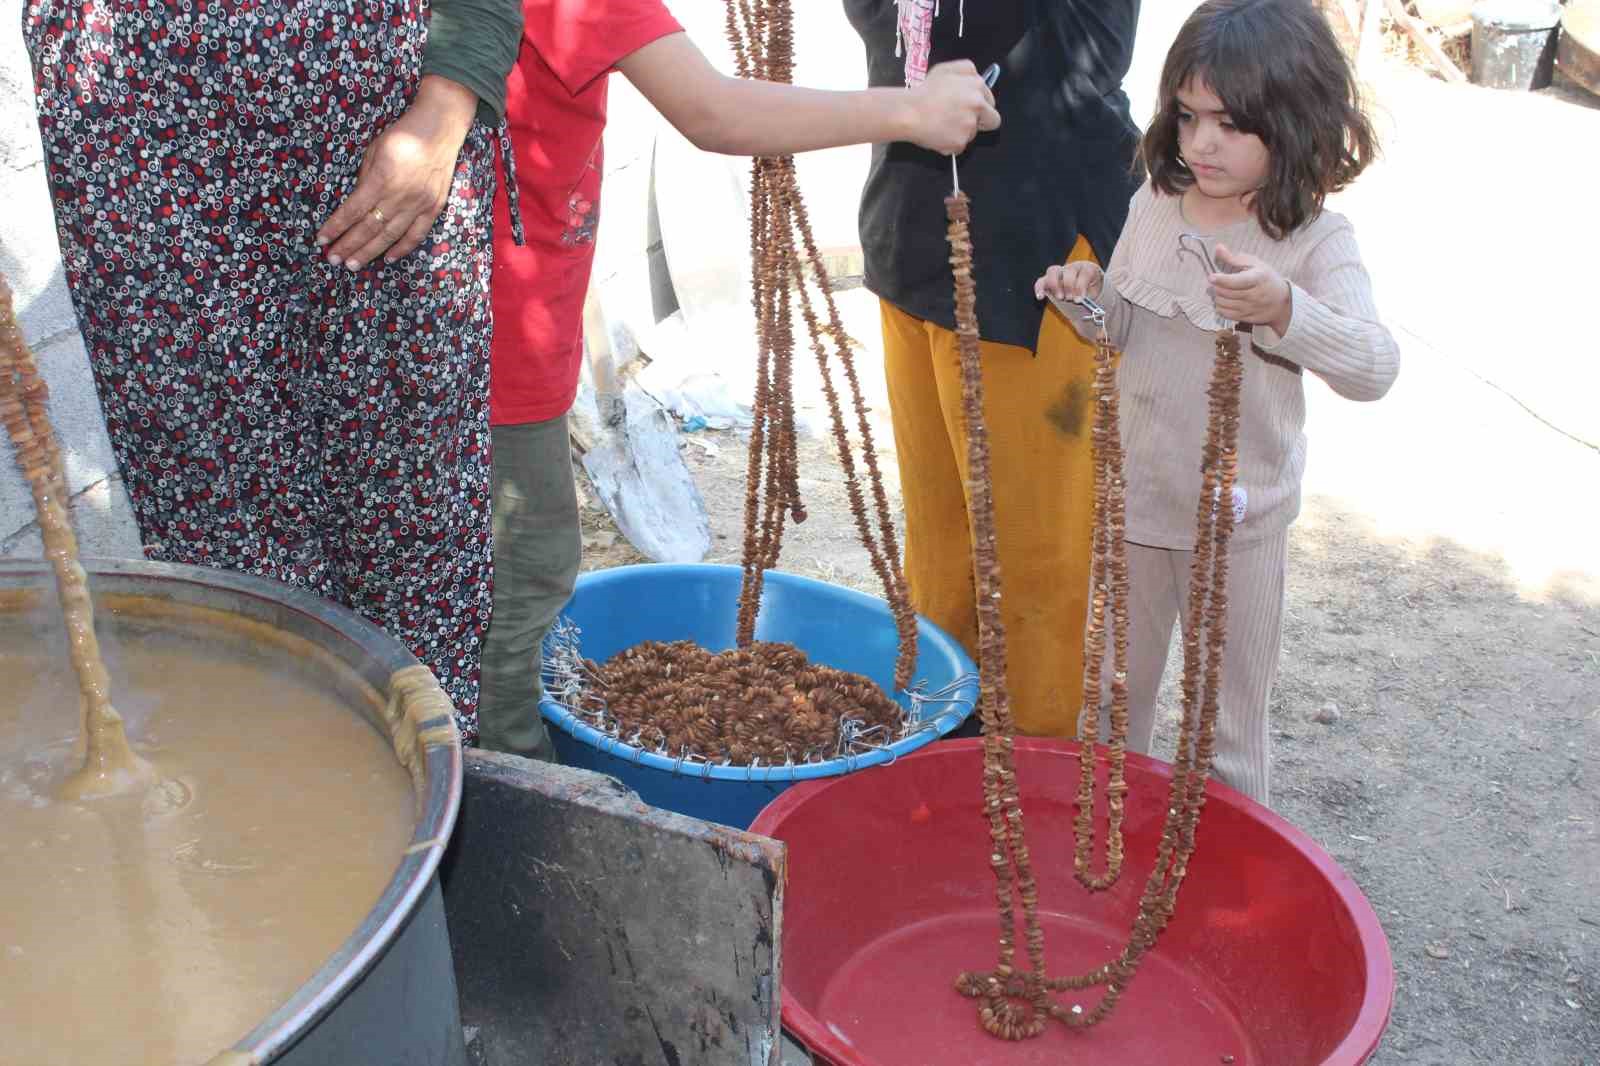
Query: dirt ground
point(1436, 719)
point(1456, 784)
point(1438, 703)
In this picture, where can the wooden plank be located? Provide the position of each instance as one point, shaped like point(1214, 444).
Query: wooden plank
point(589, 928)
point(1419, 33)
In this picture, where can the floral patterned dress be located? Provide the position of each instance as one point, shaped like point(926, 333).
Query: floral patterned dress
point(271, 413)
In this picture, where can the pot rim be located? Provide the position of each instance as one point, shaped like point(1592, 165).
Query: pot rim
point(343, 631)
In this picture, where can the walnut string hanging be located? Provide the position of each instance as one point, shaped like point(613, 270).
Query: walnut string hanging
point(1015, 1004)
point(109, 764)
point(783, 253)
point(1013, 869)
point(668, 696)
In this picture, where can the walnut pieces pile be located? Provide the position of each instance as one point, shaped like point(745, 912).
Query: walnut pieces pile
point(765, 705)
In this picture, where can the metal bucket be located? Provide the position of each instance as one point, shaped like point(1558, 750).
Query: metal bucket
point(387, 996)
point(1514, 43)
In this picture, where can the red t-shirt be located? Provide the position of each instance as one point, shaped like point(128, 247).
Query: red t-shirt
point(556, 110)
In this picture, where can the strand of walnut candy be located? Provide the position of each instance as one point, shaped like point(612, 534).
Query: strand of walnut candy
point(1001, 800)
point(761, 33)
point(1015, 1005)
point(1108, 581)
point(109, 764)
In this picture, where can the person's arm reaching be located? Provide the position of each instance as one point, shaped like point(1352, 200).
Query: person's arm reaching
point(738, 116)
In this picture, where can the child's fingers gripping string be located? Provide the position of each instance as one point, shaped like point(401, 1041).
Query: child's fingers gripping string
point(1067, 281)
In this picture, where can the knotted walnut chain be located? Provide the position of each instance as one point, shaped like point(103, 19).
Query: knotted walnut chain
point(109, 764)
point(1015, 1005)
point(676, 699)
point(783, 253)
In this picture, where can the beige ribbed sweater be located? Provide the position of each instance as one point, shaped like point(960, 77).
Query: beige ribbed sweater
point(1159, 313)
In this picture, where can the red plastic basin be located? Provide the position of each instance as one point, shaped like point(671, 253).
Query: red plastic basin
point(1274, 957)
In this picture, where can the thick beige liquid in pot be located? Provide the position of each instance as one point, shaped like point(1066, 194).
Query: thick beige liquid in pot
point(161, 926)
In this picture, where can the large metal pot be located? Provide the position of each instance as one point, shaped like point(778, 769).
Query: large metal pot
point(387, 996)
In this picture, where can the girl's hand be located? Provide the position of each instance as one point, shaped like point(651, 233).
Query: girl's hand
point(1069, 281)
point(951, 107)
point(404, 180)
point(1253, 292)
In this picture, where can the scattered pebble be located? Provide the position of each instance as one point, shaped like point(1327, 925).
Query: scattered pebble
point(1436, 950)
point(1327, 714)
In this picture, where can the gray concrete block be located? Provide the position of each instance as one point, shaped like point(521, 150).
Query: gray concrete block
point(103, 517)
point(589, 927)
point(793, 1054)
point(102, 520)
point(30, 260)
point(19, 132)
point(30, 256)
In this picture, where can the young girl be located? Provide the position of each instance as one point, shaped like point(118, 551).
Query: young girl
point(1259, 120)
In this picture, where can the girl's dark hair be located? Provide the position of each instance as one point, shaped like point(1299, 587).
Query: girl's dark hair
point(1280, 73)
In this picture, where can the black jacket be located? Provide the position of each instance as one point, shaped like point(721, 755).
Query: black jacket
point(1062, 162)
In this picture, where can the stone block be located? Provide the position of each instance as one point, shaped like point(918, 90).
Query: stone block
point(589, 927)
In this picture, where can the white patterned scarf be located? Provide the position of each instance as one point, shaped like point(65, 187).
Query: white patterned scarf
point(913, 35)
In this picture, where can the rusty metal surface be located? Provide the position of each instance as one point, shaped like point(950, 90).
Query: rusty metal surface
point(593, 930)
point(1578, 53)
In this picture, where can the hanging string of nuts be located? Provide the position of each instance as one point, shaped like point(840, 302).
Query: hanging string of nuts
point(783, 253)
point(999, 992)
point(109, 765)
point(1108, 583)
point(1205, 636)
point(1015, 1003)
point(764, 703)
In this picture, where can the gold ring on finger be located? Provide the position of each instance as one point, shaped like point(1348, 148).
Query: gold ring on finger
point(377, 213)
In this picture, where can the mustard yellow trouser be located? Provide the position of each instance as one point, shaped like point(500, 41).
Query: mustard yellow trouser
point(1038, 413)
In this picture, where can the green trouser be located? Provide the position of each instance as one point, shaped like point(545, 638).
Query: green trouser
point(537, 548)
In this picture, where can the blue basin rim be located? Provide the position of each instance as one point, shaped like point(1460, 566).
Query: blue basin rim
point(928, 636)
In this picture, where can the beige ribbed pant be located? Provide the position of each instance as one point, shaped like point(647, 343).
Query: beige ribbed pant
point(1159, 597)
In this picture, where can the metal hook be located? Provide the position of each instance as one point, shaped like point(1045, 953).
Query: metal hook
point(1091, 310)
point(1202, 252)
point(1199, 250)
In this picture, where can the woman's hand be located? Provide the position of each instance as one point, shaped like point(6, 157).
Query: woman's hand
point(951, 107)
point(1251, 291)
point(404, 180)
point(1069, 281)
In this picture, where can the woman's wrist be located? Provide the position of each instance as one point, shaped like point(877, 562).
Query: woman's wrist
point(901, 113)
point(449, 104)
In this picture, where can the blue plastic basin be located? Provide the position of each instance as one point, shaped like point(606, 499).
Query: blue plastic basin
point(616, 609)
